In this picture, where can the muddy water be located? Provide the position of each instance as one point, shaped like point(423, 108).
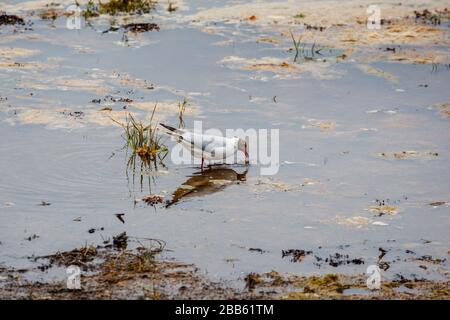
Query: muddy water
point(344, 185)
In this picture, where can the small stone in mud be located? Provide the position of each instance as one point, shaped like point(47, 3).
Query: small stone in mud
point(96, 100)
point(33, 237)
point(44, 203)
point(392, 49)
point(259, 250)
point(92, 230)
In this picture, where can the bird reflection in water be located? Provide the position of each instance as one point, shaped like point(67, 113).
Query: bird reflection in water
point(207, 182)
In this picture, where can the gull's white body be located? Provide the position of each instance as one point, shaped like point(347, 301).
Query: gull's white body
point(215, 149)
point(208, 147)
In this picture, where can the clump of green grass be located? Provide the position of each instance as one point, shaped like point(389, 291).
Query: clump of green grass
point(114, 7)
point(143, 139)
point(299, 15)
point(127, 6)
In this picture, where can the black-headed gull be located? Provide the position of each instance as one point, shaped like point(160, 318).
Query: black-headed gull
point(209, 147)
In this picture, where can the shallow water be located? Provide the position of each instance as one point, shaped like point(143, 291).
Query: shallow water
point(333, 175)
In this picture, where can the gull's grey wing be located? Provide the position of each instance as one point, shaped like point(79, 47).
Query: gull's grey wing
point(204, 143)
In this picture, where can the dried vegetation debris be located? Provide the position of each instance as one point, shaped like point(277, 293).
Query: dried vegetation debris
point(370, 70)
point(436, 204)
point(340, 286)
point(79, 256)
point(115, 7)
point(136, 27)
point(434, 17)
point(343, 29)
point(141, 27)
point(351, 221)
point(6, 19)
point(444, 109)
point(320, 259)
point(282, 68)
point(153, 199)
point(115, 272)
point(54, 10)
point(324, 125)
point(296, 255)
point(384, 209)
point(410, 154)
point(269, 184)
point(16, 52)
